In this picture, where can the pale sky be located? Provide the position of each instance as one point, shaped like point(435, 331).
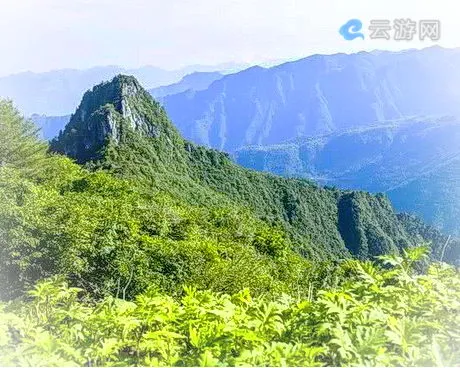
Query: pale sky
point(42, 35)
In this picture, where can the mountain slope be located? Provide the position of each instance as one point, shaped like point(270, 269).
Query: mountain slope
point(197, 81)
point(416, 162)
point(120, 128)
point(49, 125)
point(58, 92)
point(318, 95)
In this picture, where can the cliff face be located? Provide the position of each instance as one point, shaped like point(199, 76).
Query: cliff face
point(105, 114)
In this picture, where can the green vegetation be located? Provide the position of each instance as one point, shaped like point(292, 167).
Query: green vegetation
point(380, 316)
point(401, 158)
point(19, 146)
point(120, 128)
point(117, 236)
point(154, 251)
point(108, 237)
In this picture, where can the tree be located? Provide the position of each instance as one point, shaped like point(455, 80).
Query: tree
point(20, 146)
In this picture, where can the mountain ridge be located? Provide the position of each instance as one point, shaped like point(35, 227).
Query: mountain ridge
point(317, 95)
point(323, 223)
point(195, 81)
point(105, 111)
point(57, 92)
point(389, 158)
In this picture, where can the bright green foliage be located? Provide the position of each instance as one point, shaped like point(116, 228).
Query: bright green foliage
point(19, 146)
point(110, 237)
point(157, 237)
point(120, 128)
point(448, 249)
point(389, 316)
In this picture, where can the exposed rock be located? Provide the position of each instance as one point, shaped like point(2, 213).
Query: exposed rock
point(107, 112)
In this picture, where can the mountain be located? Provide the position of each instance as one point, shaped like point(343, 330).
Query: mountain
point(318, 95)
point(111, 111)
point(58, 92)
point(416, 162)
point(49, 125)
point(197, 81)
point(120, 128)
point(101, 265)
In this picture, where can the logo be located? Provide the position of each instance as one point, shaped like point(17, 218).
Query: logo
point(350, 30)
point(400, 29)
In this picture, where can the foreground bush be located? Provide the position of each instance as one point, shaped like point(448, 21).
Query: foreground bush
point(383, 315)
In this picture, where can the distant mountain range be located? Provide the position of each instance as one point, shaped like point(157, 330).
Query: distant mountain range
point(119, 127)
point(318, 95)
point(49, 125)
point(369, 121)
point(416, 162)
point(313, 96)
point(378, 121)
point(58, 92)
point(196, 81)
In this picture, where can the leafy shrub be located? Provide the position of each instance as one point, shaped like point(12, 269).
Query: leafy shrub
point(379, 316)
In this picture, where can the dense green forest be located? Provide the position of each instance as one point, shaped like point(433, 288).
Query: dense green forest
point(414, 161)
point(120, 128)
point(149, 250)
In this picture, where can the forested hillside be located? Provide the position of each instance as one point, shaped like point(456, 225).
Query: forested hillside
point(373, 121)
point(119, 127)
point(150, 250)
point(416, 162)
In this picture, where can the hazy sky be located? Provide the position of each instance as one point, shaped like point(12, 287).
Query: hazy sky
point(41, 35)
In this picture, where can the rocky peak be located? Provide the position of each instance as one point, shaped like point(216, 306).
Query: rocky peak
point(105, 114)
point(118, 93)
